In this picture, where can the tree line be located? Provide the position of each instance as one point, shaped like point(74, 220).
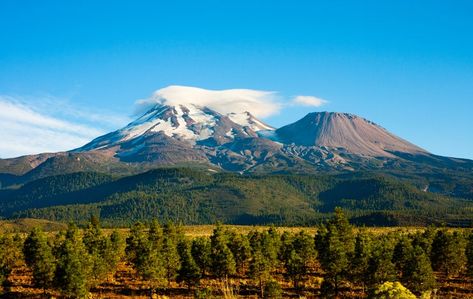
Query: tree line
point(75, 260)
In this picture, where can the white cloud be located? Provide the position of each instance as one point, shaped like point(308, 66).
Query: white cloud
point(308, 101)
point(257, 102)
point(27, 129)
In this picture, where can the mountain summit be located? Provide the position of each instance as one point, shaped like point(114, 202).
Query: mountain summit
point(345, 131)
point(171, 134)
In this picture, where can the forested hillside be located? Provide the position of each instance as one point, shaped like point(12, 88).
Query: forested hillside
point(195, 196)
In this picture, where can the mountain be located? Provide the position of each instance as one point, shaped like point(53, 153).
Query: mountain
point(348, 132)
point(193, 164)
point(197, 136)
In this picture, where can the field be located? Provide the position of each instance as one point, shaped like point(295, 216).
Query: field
point(126, 282)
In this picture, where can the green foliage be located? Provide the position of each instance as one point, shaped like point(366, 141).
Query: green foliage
point(272, 289)
point(143, 250)
point(417, 271)
point(298, 254)
point(335, 243)
point(74, 265)
point(448, 253)
point(10, 256)
point(39, 258)
point(240, 247)
point(104, 251)
point(201, 253)
point(188, 272)
point(196, 197)
point(169, 252)
point(381, 269)
point(361, 258)
point(392, 290)
point(223, 262)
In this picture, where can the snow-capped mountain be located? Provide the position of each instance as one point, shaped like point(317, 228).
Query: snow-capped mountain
point(185, 134)
point(187, 123)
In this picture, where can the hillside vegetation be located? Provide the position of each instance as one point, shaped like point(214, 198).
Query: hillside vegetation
point(191, 196)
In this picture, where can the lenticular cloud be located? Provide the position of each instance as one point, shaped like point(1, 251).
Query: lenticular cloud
point(257, 102)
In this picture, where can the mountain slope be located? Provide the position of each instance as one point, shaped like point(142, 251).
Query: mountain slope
point(345, 131)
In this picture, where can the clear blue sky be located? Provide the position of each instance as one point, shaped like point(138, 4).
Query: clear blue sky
point(407, 65)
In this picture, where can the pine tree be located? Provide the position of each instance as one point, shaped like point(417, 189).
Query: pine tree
point(97, 245)
point(73, 271)
point(360, 259)
point(189, 272)
point(264, 253)
point(448, 253)
point(300, 255)
point(169, 252)
point(380, 266)
point(39, 258)
point(418, 275)
point(469, 255)
point(402, 253)
point(10, 256)
point(241, 250)
point(335, 244)
point(143, 250)
point(201, 252)
point(223, 263)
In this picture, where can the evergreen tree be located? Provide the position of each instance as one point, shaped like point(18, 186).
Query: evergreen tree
point(300, 255)
point(264, 253)
point(360, 260)
point(241, 250)
point(97, 245)
point(418, 275)
point(201, 252)
point(448, 253)
point(189, 272)
point(469, 255)
point(402, 253)
point(73, 271)
point(335, 244)
point(380, 266)
point(143, 251)
point(169, 253)
point(39, 258)
point(223, 263)
point(10, 256)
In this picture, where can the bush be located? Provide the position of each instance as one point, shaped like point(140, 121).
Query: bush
point(392, 290)
point(272, 289)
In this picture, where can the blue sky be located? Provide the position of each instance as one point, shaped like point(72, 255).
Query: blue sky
point(70, 71)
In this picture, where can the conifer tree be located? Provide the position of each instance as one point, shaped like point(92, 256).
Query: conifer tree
point(418, 275)
point(188, 272)
point(335, 244)
point(143, 250)
point(380, 266)
point(10, 256)
point(469, 255)
point(448, 253)
point(169, 253)
point(300, 255)
point(39, 258)
point(223, 263)
point(97, 245)
point(241, 250)
point(264, 253)
point(73, 270)
point(402, 253)
point(360, 260)
point(201, 252)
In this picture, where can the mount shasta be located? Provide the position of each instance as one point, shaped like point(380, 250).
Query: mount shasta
point(194, 135)
point(191, 163)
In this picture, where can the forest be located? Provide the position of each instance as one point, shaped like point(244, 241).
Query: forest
point(193, 196)
point(158, 261)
